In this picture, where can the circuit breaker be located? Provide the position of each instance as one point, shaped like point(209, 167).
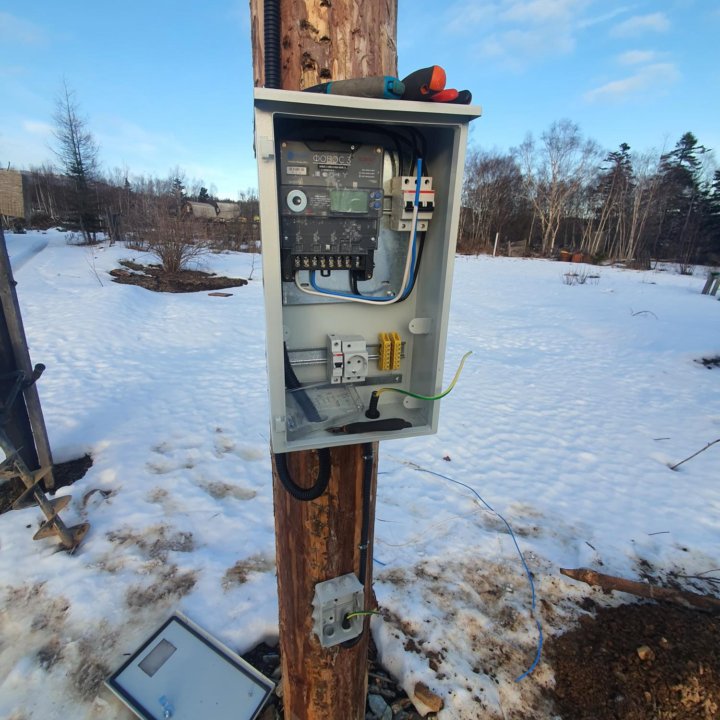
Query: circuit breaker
point(359, 204)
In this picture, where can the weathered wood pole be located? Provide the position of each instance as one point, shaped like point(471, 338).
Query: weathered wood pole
point(322, 40)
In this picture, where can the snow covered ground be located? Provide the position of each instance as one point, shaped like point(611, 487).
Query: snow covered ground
point(576, 399)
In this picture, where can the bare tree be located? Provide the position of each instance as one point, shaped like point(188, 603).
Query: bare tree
point(155, 221)
point(644, 200)
point(77, 152)
point(554, 172)
point(609, 201)
point(45, 194)
point(491, 197)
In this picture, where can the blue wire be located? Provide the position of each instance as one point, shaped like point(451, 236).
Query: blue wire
point(334, 293)
point(414, 230)
point(522, 559)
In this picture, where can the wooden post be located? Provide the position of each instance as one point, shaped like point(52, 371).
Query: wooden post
point(26, 427)
point(319, 540)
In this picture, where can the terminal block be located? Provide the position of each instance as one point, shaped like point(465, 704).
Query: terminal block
point(389, 351)
point(403, 191)
point(347, 358)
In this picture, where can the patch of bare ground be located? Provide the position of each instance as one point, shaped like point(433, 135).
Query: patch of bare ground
point(642, 661)
point(153, 277)
point(65, 473)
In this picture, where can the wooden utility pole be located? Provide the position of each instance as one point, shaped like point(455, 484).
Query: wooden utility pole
point(319, 41)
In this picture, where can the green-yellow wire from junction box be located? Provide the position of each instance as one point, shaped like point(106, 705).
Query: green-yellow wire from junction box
point(372, 411)
point(361, 613)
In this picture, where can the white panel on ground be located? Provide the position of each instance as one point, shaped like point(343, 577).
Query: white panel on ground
point(183, 673)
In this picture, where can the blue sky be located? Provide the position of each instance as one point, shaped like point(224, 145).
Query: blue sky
point(168, 84)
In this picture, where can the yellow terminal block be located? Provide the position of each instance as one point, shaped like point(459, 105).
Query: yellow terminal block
point(384, 351)
point(395, 351)
point(389, 351)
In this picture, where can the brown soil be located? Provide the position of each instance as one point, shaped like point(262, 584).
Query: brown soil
point(598, 668)
point(153, 277)
point(642, 661)
point(64, 473)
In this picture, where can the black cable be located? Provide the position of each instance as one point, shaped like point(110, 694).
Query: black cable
point(354, 283)
point(422, 147)
point(368, 459)
point(321, 480)
point(295, 386)
point(272, 44)
point(421, 244)
point(323, 475)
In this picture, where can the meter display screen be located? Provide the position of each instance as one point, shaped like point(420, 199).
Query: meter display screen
point(349, 201)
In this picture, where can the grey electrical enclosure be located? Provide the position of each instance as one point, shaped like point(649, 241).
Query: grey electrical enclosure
point(183, 673)
point(360, 204)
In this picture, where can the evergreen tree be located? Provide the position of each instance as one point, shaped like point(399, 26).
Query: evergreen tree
point(77, 152)
point(682, 220)
point(177, 190)
point(711, 219)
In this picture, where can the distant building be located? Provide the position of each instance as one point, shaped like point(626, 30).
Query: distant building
point(219, 211)
point(15, 194)
point(227, 211)
point(200, 209)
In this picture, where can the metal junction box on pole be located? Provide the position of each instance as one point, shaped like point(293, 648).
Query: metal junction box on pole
point(359, 204)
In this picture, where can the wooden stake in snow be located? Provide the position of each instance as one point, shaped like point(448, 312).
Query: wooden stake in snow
point(641, 589)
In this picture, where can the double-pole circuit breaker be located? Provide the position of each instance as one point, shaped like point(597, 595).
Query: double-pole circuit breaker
point(359, 203)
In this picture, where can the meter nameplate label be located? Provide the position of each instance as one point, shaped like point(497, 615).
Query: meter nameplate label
point(296, 170)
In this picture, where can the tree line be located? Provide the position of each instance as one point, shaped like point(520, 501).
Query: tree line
point(558, 192)
point(562, 192)
point(150, 213)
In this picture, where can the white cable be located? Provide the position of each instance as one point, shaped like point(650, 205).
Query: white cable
point(352, 298)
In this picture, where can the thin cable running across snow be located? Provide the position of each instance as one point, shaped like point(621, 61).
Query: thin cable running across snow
point(522, 559)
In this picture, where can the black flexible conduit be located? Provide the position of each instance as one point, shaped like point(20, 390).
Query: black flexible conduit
point(368, 458)
point(295, 386)
point(272, 43)
point(321, 481)
point(323, 476)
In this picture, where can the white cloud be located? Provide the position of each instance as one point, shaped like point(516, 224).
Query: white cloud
point(22, 149)
point(16, 30)
point(542, 11)
point(37, 127)
point(637, 57)
point(652, 79)
point(605, 17)
point(517, 33)
point(128, 141)
point(639, 24)
point(467, 16)
point(516, 48)
point(13, 71)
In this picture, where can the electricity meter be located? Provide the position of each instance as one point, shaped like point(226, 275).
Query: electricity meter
point(359, 204)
